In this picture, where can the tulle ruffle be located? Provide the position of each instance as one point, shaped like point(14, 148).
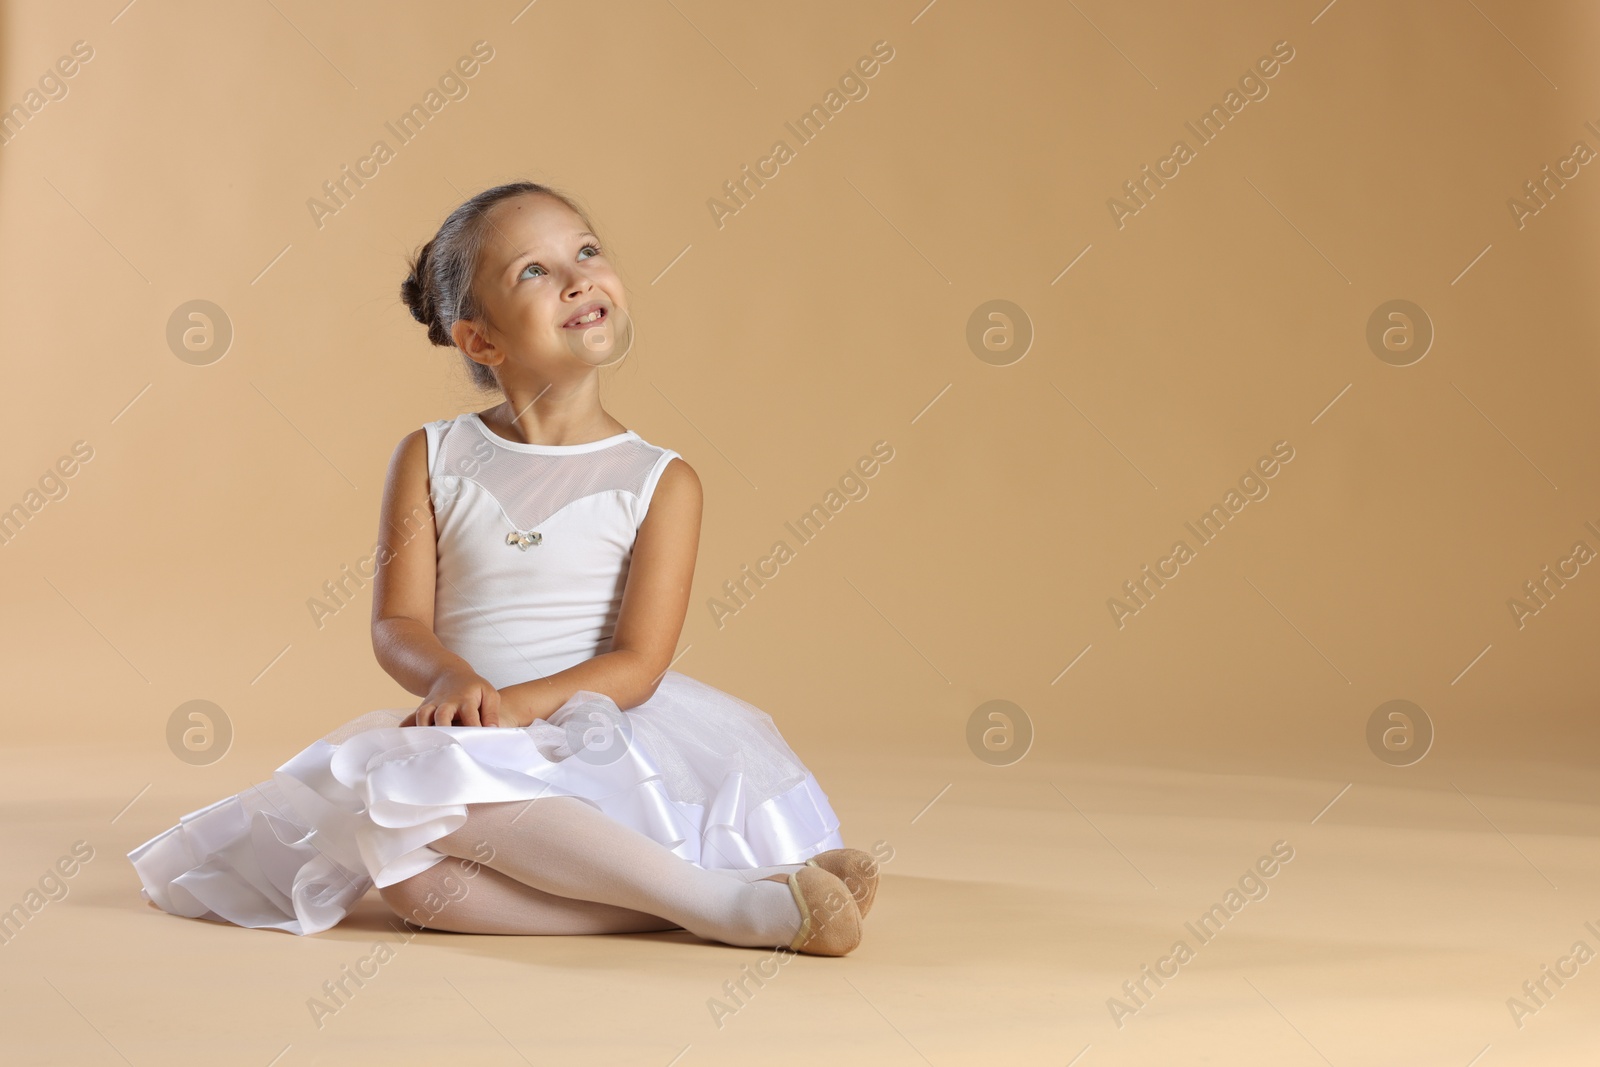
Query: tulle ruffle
point(702, 772)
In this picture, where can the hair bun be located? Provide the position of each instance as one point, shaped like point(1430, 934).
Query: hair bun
point(411, 293)
point(417, 294)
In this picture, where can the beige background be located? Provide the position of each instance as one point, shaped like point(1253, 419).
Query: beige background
point(829, 313)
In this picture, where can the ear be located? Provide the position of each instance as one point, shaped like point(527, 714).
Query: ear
point(470, 338)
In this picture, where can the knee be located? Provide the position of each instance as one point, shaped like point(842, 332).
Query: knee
point(424, 899)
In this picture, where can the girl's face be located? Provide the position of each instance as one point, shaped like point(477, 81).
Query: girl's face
point(554, 302)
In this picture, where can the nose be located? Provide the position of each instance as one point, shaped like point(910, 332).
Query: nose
point(579, 285)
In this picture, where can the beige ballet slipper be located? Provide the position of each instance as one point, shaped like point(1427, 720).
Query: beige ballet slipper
point(830, 923)
point(856, 869)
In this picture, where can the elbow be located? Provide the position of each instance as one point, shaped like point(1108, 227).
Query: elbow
point(648, 679)
point(381, 640)
point(389, 636)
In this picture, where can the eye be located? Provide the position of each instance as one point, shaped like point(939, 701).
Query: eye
point(589, 246)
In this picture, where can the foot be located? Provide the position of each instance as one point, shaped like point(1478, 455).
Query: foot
point(856, 869)
point(830, 923)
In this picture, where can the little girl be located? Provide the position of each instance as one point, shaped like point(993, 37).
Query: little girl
point(535, 559)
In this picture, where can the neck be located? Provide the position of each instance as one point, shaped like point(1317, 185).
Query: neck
point(552, 414)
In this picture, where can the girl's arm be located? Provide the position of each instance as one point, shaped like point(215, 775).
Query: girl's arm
point(655, 600)
point(402, 602)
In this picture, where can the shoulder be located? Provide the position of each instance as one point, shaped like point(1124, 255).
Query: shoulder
point(408, 467)
point(678, 479)
point(429, 439)
point(412, 451)
point(414, 455)
point(677, 494)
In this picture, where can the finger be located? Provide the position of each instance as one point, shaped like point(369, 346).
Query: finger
point(425, 715)
point(491, 707)
point(469, 712)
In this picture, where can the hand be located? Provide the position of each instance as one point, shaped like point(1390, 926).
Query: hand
point(458, 695)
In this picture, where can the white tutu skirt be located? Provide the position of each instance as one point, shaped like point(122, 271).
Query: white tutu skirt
point(696, 769)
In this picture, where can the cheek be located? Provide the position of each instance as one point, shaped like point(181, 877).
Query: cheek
point(606, 279)
point(531, 310)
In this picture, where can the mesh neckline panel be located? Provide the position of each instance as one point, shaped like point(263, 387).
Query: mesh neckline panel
point(549, 450)
point(532, 486)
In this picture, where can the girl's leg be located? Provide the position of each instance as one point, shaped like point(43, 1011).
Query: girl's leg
point(567, 848)
point(469, 898)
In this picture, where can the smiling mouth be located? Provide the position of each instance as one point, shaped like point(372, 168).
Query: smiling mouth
point(598, 315)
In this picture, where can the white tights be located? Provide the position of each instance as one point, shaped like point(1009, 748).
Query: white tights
point(557, 865)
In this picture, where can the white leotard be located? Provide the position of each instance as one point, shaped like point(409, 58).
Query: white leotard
point(518, 611)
